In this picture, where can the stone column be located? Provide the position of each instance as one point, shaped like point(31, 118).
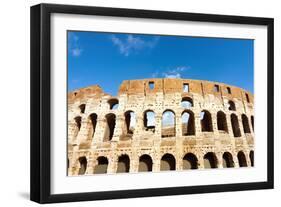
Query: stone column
point(91, 162)
point(83, 132)
point(179, 163)
point(139, 125)
point(219, 160)
point(248, 160)
point(229, 125)
point(178, 126)
point(200, 162)
point(198, 129)
point(241, 126)
point(118, 130)
point(156, 164)
point(235, 160)
point(215, 124)
point(158, 126)
point(100, 130)
point(134, 162)
point(112, 165)
point(71, 132)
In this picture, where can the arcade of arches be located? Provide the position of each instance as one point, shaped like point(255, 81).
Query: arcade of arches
point(152, 132)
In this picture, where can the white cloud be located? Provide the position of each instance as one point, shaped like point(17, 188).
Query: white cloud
point(171, 73)
point(76, 52)
point(74, 45)
point(132, 44)
point(175, 73)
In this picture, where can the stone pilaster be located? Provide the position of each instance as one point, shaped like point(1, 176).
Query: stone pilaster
point(118, 130)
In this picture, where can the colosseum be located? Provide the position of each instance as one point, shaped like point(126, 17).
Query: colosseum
point(159, 125)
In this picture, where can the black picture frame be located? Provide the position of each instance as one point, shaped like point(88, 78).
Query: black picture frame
point(41, 97)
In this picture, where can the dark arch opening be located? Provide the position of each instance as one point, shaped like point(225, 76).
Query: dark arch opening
point(130, 122)
point(93, 121)
point(145, 163)
point(242, 159)
point(82, 108)
point(221, 121)
point(123, 164)
point(210, 160)
point(235, 126)
point(186, 102)
point(110, 126)
point(245, 123)
point(206, 121)
point(168, 124)
point(188, 123)
point(227, 160)
point(77, 121)
point(190, 161)
point(149, 121)
point(232, 106)
point(113, 103)
point(102, 165)
point(252, 158)
point(83, 165)
point(168, 162)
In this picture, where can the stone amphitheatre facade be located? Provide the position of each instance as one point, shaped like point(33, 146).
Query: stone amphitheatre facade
point(211, 126)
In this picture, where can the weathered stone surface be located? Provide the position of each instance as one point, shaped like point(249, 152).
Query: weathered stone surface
point(99, 133)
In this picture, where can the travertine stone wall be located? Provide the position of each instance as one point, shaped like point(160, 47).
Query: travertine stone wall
point(89, 152)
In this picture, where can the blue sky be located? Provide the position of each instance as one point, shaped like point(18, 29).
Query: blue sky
point(107, 59)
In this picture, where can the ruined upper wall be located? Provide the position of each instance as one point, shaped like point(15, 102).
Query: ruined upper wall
point(94, 91)
point(175, 85)
point(166, 86)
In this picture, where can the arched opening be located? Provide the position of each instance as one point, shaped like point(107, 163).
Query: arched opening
point(228, 90)
point(145, 163)
point(221, 121)
point(245, 123)
point(190, 161)
point(231, 106)
point(235, 126)
point(206, 121)
point(242, 159)
point(83, 165)
point(210, 160)
point(151, 85)
point(186, 102)
point(252, 121)
point(93, 123)
point(113, 104)
point(227, 160)
point(82, 108)
point(123, 164)
point(101, 167)
point(77, 121)
point(185, 88)
point(130, 122)
point(149, 121)
point(168, 162)
point(188, 124)
point(168, 124)
point(252, 158)
point(110, 126)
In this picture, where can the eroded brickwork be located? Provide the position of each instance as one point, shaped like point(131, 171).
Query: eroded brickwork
point(212, 127)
